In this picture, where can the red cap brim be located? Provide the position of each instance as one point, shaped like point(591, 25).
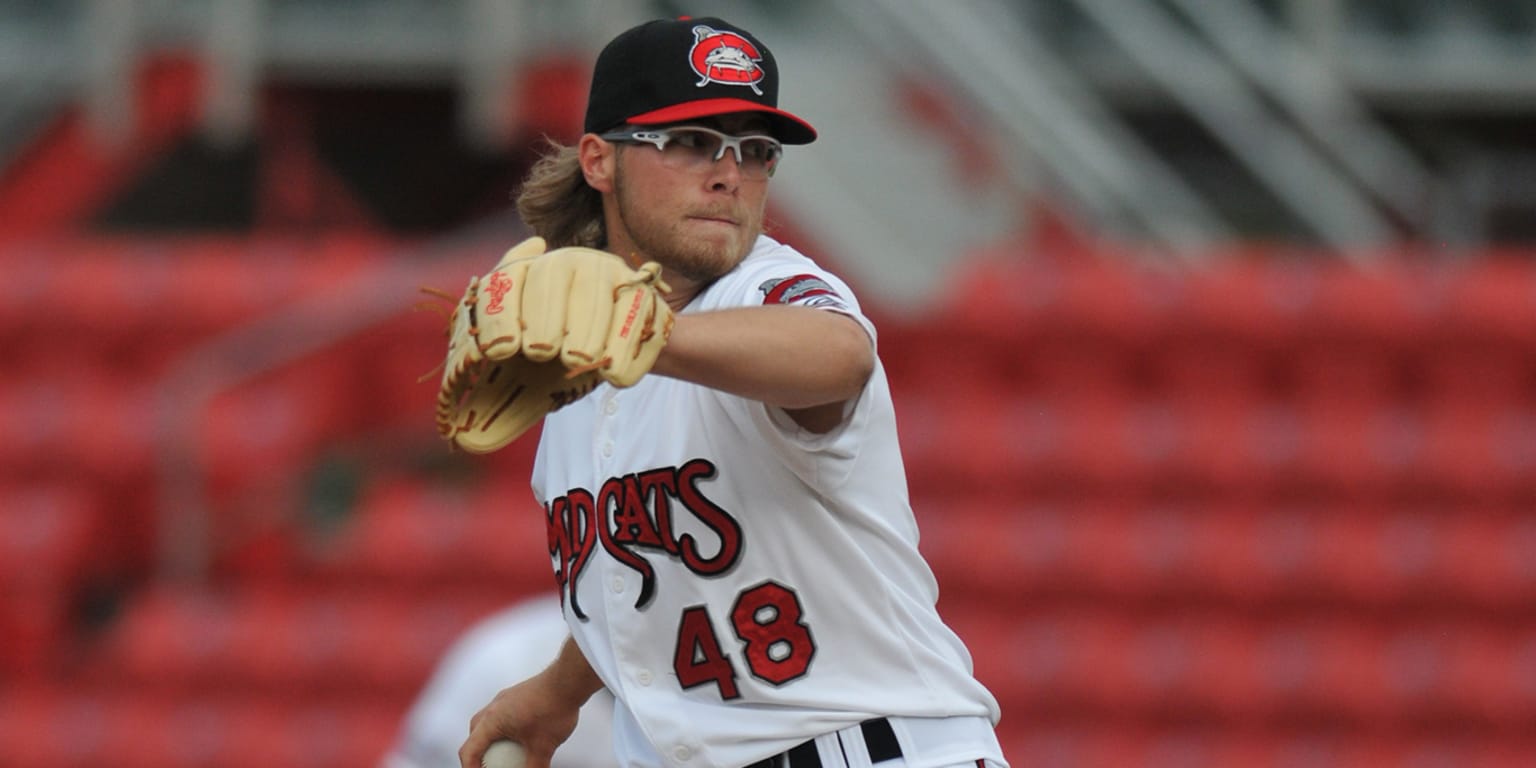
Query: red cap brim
point(787, 127)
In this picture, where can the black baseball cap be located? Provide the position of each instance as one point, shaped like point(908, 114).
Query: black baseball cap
point(670, 70)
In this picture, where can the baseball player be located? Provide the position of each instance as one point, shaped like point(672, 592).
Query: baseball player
point(731, 535)
point(505, 647)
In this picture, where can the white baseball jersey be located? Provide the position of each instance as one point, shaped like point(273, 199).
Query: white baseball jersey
point(740, 584)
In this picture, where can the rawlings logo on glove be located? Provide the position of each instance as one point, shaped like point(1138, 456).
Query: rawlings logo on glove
point(542, 330)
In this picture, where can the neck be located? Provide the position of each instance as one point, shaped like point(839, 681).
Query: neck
point(683, 290)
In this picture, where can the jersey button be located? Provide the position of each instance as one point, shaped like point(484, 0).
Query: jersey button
point(611, 407)
point(643, 677)
point(608, 449)
point(617, 585)
point(683, 753)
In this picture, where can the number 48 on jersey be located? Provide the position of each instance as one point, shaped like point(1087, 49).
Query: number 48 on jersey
point(775, 642)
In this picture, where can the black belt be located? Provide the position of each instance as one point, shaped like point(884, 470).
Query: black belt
point(879, 741)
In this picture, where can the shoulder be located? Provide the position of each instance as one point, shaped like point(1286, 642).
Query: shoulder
point(776, 273)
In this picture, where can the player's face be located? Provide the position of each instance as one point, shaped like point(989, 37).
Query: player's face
point(698, 222)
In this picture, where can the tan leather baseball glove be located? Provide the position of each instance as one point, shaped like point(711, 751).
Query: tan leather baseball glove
point(542, 330)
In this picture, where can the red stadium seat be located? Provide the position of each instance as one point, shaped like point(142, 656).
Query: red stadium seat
point(50, 728)
point(317, 737)
point(1493, 299)
point(1041, 660)
point(951, 444)
point(36, 623)
point(76, 423)
point(1318, 668)
point(1377, 558)
point(398, 358)
point(404, 529)
point(1003, 546)
point(1199, 368)
point(337, 642)
point(177, 641)
point(221, 282)
point(1150, 549)
point(1487, 555)
point(268, 428)
point(1016, 303)
point(1345, 447)
point(1042, 444)
point(1480, 449)
point(51, 544)
point(1481, 348)
point(422, 536)
point(49, 534)
point(111, 291)
point(1477, 677)
point(1382, 308)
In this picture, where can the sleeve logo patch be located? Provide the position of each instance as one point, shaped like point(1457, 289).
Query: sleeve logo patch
point(806, 290)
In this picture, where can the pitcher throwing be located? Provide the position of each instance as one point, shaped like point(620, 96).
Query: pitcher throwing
point(730, 532)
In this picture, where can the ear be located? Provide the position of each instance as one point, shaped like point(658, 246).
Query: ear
point(598, 160)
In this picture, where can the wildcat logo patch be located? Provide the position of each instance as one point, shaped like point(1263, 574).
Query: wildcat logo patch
point(725, 58)
point(804, 290)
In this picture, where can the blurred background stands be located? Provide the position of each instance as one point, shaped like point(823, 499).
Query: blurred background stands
point(1211, 325)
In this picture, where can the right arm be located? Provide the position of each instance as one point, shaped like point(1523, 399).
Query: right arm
point(539, 713)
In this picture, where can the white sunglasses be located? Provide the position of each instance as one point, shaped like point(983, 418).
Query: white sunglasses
point(695, 148)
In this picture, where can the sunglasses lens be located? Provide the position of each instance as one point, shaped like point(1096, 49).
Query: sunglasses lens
point(699, 148)
point(760, 152)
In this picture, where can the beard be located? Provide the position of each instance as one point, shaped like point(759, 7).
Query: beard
point(697, 259)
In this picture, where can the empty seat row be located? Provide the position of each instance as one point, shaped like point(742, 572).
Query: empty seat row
point(53, 540)
point(121, 288)
point(420, 536)
point(1091, 742)
point(1237, 443)
point(948, 361)
point(1269, 302)
point(1241, 554)
point(1371, 671)
point(54, 727)
point(281, 642)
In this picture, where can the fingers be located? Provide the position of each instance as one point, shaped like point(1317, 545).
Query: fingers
point(642, 321)
point(498, 305)
point(527, 249)
point(499, 310)
point(473, 749)
point(585, 306)
point(641, 325)
point(546, 292)
point(591, 308)
point(482, 736)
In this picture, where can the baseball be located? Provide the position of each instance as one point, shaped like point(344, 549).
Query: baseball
point(504, 754)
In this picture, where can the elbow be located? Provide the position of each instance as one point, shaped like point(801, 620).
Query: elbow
point(856, 353)
point(838, 372)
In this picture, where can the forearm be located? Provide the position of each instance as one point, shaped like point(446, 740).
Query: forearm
point(538, 713)
point(571, 677)
point(790, 357)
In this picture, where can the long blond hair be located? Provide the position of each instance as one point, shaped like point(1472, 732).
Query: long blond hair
point(557, 204)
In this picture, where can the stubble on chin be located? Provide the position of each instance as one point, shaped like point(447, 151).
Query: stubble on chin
point(700, 262)
point(696, 259)
point(680, 252)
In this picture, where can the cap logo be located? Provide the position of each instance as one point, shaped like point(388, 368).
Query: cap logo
point(725, 58)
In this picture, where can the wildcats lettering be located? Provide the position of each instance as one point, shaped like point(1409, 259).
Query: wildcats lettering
point(636, 512)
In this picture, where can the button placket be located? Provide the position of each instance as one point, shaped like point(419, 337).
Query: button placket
point(605, 443)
